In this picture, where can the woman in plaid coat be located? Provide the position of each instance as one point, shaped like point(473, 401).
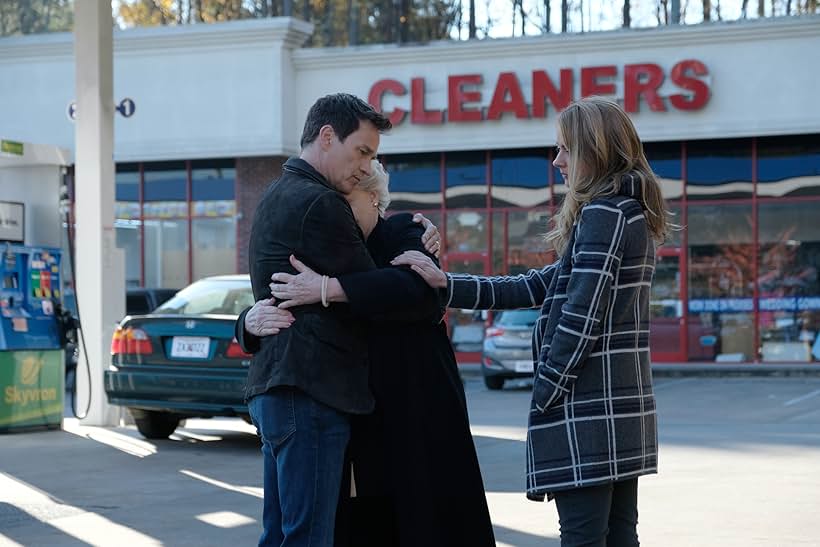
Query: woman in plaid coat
point(592, 426)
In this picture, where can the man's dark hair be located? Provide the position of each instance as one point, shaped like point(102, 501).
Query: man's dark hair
point(343, 112)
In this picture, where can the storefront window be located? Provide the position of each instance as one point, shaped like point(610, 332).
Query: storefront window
point(127, 221)
point(666, 310)
point(675, 235)
point(520, 178)
point(466, 179)
point(466, 326)
point(788, 166)
point(214, 246)
point(415, 181)
point(498, 258)
point(788, 284)
point(527, 248)
point(467, 232)
point(212, 188)
point(719, 169)
point(721, 283)
point(166, 253)
point(665, 161)
point(165, 194)
point(165, 210)
point(213, 208)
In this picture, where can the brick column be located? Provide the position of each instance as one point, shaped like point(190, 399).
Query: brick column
point(253, 175)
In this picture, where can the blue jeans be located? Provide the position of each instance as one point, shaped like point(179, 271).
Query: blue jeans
point(303, 445)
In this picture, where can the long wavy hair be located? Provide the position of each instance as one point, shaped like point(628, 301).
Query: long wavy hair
point(603, 147)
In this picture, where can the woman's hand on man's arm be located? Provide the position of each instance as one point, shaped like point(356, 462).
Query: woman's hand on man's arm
point(424, 266)
point(304, 287)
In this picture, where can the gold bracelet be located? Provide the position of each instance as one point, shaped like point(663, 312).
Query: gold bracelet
point(324, 291)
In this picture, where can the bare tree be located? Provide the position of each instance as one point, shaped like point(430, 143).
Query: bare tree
point(707, 10)
point(353, 22)
point(564, 15)
point(627, 21)
point(662, 12)
point(547, 16)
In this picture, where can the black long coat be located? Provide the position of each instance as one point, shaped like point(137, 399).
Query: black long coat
point(418, 483)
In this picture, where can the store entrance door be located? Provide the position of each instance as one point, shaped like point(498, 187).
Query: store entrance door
point(667, 330)
point(466, 327)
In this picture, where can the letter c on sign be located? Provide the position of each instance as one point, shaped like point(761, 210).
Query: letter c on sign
point(377, 94)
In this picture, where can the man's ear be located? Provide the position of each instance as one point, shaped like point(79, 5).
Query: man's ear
point(326, 136)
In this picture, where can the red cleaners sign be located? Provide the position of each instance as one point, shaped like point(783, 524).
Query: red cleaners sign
point(465, 100)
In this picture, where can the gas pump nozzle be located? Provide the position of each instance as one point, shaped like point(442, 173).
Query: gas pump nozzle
point(67, 324)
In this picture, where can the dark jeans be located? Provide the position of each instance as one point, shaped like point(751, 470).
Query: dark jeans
point(599, 516)
point(303, 444)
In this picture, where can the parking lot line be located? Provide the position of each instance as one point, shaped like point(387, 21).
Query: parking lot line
point(802, 398)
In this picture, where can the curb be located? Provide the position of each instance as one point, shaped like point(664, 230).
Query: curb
point(665, 370)
point(705, 370)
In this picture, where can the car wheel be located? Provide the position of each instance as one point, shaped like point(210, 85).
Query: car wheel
point(154, 424)
point(493, 382)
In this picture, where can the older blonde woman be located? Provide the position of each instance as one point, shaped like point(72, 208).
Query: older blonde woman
point(417, 478)
point(592, 424)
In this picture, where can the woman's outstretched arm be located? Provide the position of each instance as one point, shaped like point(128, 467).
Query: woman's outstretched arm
point(475, 292)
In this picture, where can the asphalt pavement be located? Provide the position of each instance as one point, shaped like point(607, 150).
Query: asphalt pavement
point(738, 468)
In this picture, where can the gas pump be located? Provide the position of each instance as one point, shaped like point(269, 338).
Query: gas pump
point(33, 332)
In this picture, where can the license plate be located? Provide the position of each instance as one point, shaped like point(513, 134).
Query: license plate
point(196, 347)
point(523, 366)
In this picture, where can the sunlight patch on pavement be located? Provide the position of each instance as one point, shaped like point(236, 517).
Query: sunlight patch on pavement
point(74, 521)
point(98, 530)
point(183, 435)
point(513, 511)
point(220, 425)
point(500, 432)
point(247, 490)
point(5, 541)
point(225, 519)
point(114, 439)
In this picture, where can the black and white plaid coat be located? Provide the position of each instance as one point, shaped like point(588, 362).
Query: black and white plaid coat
point(592, 416)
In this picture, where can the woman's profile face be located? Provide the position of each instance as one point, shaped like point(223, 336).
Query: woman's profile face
point(366, 214)
point(562, 160)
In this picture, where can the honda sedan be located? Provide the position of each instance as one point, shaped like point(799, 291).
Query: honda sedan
point(182, 360)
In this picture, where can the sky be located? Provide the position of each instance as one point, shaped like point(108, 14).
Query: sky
point(495, 17)
point(597, 15)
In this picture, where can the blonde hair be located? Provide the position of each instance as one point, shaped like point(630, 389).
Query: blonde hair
point(377, 182)
point(603, 146)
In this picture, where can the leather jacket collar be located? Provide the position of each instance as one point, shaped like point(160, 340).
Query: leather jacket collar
point(301, 167)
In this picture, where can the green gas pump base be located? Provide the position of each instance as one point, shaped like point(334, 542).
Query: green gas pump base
point(31, 390)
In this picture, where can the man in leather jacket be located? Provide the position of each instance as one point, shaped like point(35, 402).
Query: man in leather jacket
point(305, 382)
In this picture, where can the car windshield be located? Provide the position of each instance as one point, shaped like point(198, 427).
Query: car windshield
point(517, 318)
point(210, 296)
